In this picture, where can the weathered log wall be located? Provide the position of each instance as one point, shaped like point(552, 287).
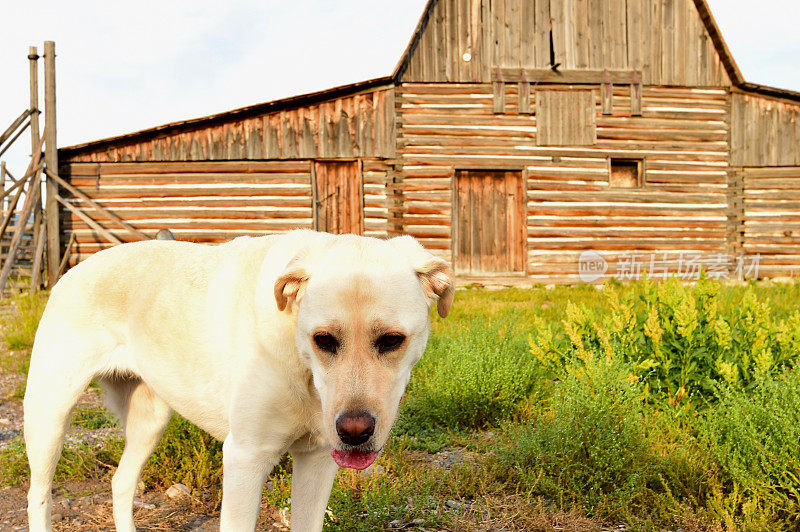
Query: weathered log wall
point(207, 201)
point(666, 39)
point(357, 125)
point(682, 136)
point(771, 218)
point(764, 131)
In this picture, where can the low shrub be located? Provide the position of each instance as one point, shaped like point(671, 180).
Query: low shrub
point(755, 436)
point(591, 446)
point(95, 417)
point(471, 378)
point(186, 455)
point(78, 460)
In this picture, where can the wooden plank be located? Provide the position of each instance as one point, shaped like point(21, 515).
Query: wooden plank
point(575, 77)
point(635, 34)
point(596, 37)
point(617, 18)
point(461, 222)
point(475, 226)
point(668, 42)
point(580, 34)
point(453, 55)
point(527, 34)
point(681, 57)
point(559, 28)
point(500, 217)
point(542, 35)
point(487, 44)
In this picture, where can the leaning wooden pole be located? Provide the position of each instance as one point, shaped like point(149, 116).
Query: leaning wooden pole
point(34, 191)
point(51, 160)
point(36, 273)
point(3, 185)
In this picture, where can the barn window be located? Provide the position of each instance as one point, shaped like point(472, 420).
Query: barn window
point(565, 118)
point(625, 173)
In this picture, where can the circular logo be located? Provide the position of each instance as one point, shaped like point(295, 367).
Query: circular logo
point(591, 266)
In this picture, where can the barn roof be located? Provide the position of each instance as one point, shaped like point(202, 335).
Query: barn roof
point(702, 6)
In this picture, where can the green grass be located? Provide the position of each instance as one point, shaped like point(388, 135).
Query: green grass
point(19, 328)
point(93, 418)
point(657, 405)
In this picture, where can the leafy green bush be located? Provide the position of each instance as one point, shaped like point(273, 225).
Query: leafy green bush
point(471, 378)
point(755, 436)
point(591, 446)
point(681, 339)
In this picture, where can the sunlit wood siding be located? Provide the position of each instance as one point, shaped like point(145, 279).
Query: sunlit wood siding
point(206, 201)
point(665, 39)
point(358, 125)
point(764, 131)
point(771, 218)
point(681, 137)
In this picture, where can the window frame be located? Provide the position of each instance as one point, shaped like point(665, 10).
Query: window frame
point(641, 164)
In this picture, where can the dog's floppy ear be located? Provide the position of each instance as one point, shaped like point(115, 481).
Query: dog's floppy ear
point(435, 274)
point(289, 287)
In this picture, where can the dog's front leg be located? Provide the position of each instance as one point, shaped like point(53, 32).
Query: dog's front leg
point(245, 466)
point(313, 472)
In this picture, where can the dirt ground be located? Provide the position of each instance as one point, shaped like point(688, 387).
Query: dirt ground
point(86, 505)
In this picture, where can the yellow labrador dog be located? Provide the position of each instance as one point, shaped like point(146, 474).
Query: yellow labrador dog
point(302, 342)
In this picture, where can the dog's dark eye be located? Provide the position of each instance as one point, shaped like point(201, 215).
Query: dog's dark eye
point(326, 342)
point(389, 341)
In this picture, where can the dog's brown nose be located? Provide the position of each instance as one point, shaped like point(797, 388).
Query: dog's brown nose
point(354, 428)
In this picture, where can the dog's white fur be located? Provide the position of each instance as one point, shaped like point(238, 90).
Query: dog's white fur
point(224, 336)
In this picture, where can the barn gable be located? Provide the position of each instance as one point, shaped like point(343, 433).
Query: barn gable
point(672, 42)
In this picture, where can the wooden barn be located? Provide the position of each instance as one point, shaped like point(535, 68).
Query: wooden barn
point(513, 137)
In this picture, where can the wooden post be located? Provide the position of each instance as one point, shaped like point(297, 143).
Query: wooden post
point(36, 273)
point(524, 91)
point(51, 160)
point(636, 94)
point(499, 94)
point(607, 94)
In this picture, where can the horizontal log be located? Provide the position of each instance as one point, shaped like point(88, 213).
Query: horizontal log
point(109, 169)
point(548, 75)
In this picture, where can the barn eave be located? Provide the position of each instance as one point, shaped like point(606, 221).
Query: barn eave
point(227, 116)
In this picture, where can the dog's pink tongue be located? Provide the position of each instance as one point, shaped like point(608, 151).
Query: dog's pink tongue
point(353, 459)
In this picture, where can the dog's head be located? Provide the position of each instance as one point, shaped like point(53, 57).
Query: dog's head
point(362, 323)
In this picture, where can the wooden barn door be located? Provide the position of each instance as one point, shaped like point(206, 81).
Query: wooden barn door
point(338, 197)
point(489, 227)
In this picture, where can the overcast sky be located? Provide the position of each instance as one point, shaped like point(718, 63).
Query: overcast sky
point(125, 66)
